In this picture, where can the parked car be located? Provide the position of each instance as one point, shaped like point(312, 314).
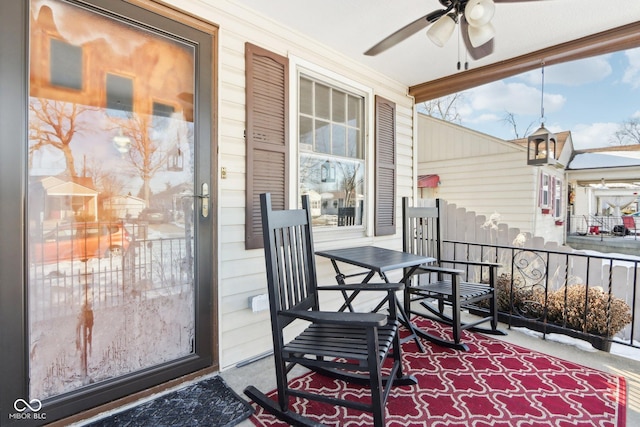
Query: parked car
point(153, 216)
point(81, 241)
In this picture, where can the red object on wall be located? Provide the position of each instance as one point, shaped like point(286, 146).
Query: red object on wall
point(428, 181)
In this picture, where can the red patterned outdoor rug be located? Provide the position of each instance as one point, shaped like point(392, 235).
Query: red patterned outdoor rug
point(493, 384)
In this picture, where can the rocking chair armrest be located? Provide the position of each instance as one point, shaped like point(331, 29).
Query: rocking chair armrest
point(365, 320)
point(436, 269)
point(478, 263)
point(364, 287)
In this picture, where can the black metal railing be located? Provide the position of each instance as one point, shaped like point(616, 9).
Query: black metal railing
point(587, 296)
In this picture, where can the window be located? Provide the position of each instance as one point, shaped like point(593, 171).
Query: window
point(331, 142)
point(557, 198)
point(550, 197)
point(65, 67)
point(544, 191)
point(119, 93)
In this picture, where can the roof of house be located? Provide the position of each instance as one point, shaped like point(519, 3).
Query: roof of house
point(606, 157)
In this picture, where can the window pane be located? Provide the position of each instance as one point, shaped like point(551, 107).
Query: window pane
point(355, 111)
point(306, 132)
point(336, 189)
point(323, 135)
point(119, 93)
point(338, 136)
point(354, 145)
point(323, 105)
point(306, 96)
point(339, 106)
point(161, 117)
point(66, 64)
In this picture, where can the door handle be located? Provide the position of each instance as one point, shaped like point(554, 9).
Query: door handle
point(204, 196)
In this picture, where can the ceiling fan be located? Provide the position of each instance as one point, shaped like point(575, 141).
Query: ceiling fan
point(474, 17)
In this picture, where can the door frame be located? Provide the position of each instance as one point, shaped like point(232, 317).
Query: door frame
point(14, 99)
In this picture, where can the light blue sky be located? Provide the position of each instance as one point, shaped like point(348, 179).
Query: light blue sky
point(589, 97)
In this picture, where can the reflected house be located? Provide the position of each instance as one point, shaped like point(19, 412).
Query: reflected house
point(331, 208)
point(123, 207)
point(73, 199)
point(173, 201)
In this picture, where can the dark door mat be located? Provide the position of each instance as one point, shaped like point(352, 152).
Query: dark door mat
point(210, 403)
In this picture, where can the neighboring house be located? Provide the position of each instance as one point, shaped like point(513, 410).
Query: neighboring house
point(490, 176)
point(605, 181)
point(123, 207)
point(69, 199)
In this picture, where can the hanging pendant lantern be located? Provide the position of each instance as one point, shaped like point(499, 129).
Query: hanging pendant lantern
point(541, 147)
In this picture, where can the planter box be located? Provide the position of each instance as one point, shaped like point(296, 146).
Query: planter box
point(599, 342)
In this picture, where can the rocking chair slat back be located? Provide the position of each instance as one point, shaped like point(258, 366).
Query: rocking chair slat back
point(293, 262)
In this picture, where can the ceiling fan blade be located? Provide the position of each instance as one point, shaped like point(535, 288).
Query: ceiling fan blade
point(405, 32)
point(475, 52)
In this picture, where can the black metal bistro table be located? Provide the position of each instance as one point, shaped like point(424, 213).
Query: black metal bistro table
point(378, 260)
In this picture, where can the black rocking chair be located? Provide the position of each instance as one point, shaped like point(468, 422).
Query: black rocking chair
point(345, 345)
point(442, 282)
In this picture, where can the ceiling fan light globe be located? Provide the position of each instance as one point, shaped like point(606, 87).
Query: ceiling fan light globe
point(442, 29)
point(481, 35)
point(479, 12)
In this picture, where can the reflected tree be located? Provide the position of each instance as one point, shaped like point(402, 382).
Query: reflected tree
point(110, 182)
point(146, 155)
point(54, 124)
point(351, 180)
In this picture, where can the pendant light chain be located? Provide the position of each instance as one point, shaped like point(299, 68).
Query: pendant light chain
point(542, 98)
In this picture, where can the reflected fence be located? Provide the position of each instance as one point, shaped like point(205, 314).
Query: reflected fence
point(585, 296)
point(150, 268)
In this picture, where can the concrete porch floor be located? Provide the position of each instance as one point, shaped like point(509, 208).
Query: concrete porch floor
point(261, 372)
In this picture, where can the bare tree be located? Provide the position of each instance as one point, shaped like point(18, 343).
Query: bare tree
point(54, 124)
point(628, 132)
point(145, 155)
point(351, 180)
point(510, 119)
point(110, 182)
point(445, 108)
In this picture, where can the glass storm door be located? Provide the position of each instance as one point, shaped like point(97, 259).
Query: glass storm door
point(118, 192)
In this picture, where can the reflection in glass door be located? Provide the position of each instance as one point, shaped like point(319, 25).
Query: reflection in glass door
point(110, 207)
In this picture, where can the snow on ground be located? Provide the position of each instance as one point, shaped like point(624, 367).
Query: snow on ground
point(617, 349)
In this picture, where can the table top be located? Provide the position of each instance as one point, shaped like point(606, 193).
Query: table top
point(375, 258)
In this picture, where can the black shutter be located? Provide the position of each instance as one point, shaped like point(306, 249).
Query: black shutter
point(267, 139)
point(385, 185)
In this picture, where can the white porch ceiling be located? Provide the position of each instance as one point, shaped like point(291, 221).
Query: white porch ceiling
point(353, 26)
